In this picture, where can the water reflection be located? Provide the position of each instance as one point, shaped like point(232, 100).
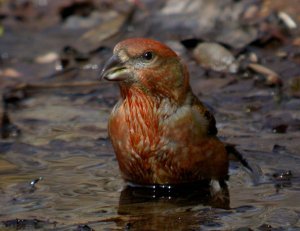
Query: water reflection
point(171, 208)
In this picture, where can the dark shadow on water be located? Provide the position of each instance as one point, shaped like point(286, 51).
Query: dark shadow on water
point(171, 208)
point(184, 195)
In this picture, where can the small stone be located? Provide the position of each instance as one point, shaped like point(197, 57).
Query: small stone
point(10, 72)
point(47, 58)
point(216, 57)
point(253, 57)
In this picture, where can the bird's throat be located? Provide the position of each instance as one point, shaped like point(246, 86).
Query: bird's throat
point(143, 120)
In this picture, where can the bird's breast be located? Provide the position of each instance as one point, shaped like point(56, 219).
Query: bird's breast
point(157, 142)
point(144, 126)
point(136, 126)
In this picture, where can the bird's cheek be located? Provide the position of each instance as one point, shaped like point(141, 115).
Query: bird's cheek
point(143, 78)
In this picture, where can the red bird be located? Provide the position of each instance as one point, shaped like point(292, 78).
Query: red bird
point(160, 131)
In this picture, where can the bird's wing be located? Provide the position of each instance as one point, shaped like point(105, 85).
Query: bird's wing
point(207, 115)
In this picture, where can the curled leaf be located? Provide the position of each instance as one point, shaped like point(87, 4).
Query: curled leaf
point(271, 77)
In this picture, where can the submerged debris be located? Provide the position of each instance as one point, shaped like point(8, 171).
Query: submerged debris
point(283, 176)
point(7, 128)
point(282, 179)
point(24, 224)
point(282, 123)
point(84, 228)
point(35, 181)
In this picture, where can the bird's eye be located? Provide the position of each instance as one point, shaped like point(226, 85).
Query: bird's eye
point(148, 55)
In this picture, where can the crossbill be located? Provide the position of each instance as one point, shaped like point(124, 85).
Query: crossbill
point(161, 132)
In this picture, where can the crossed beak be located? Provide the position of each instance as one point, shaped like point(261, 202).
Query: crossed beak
point(115, 70)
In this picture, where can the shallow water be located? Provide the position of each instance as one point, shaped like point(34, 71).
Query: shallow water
point(64, 147)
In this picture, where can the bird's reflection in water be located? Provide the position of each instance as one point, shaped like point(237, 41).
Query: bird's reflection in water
point(171, 207)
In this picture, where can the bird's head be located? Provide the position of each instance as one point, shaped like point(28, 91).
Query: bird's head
point(147, 65)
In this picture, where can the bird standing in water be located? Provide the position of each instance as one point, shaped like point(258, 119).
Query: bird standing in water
point(161, 132)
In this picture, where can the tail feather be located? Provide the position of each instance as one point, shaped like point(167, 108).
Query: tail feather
point(231, 150)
